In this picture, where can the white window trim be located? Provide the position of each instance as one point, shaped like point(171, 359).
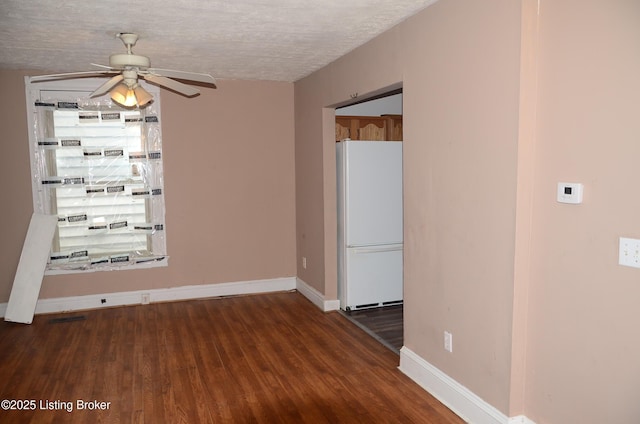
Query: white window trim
point(81, 85)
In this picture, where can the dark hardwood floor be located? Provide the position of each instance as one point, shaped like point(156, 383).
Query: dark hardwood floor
point(383, 324)
point(272, 358)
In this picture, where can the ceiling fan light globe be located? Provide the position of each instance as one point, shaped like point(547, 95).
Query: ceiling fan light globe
point(143, 97)
point(118, 93)
point(123, 95)
point(130, 97)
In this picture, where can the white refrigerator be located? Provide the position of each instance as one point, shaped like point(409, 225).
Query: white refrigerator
point(370, 244)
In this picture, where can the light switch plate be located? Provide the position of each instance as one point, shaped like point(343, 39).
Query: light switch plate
point(629, 252)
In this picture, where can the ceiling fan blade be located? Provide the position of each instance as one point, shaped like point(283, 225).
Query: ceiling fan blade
point(190, 76)
point(107, 86)
point(171, 84)
point(38, 78)
point(101, 66)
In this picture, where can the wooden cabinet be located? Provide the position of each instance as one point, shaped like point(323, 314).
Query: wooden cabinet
point(394, 127)
point(385, 127)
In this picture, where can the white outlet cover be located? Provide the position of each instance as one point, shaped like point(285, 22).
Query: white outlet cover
point(629, 252)
point(448, 341)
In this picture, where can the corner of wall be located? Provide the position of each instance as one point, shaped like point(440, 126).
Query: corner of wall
point(316, 297)
point(464, 403)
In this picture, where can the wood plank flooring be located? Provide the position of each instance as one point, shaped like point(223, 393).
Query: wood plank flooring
point(272, 358)
point(384, 324)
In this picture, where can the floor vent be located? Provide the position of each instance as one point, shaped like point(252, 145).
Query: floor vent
point(363, 306)
point(67, 319)
point(374, 305)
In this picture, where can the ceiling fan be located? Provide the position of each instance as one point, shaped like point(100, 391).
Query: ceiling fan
point(126, 69)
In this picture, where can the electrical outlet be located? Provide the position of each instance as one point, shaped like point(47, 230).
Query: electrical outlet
point(448, 341)
point(304, 262)
point(629, 252)
point(146, 298)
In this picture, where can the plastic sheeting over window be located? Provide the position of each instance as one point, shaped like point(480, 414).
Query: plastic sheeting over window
point(98, 167)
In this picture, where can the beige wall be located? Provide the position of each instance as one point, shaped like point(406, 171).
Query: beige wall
point(15, 172)
point(461, 91)
point(459, 66)
point(500, 104)
point(584, 344)
point(229, 190)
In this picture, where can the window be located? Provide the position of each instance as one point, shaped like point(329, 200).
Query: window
point(98, 167)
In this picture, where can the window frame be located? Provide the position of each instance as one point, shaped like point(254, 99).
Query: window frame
point(78, 89)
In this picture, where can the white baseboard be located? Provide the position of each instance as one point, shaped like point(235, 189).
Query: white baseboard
point(77, 303)
point(316, 297)
point(106, 300)
point(455, 396)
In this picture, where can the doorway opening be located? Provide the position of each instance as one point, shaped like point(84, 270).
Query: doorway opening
point(370, 234)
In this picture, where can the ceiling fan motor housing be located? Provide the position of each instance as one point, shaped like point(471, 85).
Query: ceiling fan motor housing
point(122, 61)
point(130, 78)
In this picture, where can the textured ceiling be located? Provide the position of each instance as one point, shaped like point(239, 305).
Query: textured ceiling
point(279, 40)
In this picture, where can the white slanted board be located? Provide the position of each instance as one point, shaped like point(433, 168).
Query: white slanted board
point(33, 261)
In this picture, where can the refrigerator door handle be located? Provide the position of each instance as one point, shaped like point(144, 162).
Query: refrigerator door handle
point(392, 248)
